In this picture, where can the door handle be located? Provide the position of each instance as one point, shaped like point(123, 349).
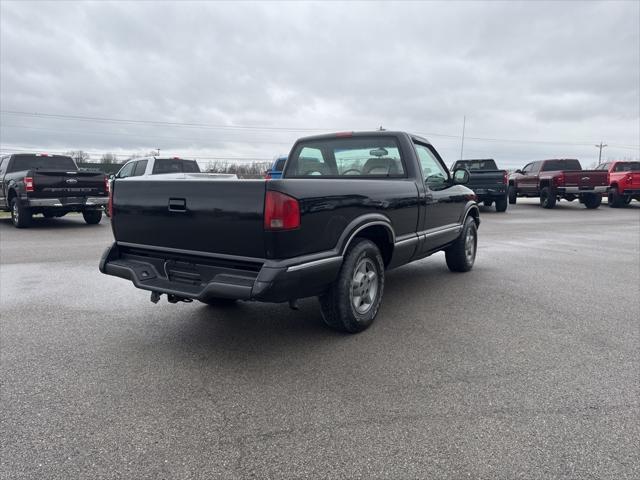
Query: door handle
point(177, 205)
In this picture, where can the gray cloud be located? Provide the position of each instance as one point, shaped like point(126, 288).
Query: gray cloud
point(566, 72)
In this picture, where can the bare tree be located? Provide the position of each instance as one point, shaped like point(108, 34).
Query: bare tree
point(109, 158)
point(79, 156)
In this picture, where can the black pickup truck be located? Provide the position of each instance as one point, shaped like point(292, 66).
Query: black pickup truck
point(487, 181)
point(349, 207)
point(52, 185)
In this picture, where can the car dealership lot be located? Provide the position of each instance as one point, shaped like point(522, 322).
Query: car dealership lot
point(525, 367)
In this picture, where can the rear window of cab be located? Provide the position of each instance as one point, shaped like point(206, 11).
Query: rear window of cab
point(353, 157)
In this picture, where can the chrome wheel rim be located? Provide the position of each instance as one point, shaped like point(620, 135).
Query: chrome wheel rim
point(470, 245)
point(364, 286)
point(15, 213)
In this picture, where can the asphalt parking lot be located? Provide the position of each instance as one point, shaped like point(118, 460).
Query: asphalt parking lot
point(526, 367)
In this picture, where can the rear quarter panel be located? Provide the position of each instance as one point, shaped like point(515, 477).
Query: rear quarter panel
point(332, 208)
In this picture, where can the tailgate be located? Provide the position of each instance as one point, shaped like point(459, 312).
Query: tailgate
point(586, 179)
point(485, 179)
point(58, 183)
point(201, 215)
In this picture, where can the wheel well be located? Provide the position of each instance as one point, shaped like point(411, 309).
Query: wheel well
point(614, 185)
point(10, 195)
point(512, 183)
point(544, 183)
point(379, 235)
point(475, 213)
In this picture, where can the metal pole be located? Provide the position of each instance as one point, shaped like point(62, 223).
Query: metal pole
point(464, 122)
point(601, 146)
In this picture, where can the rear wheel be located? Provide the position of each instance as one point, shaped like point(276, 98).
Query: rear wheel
point(352, 302)
point(615, 199)
point(591, 200)
point(547, 198)
point(462, 254)
point(488, 203)
point(20, 215)
point(501, 204)
point(513, 196)
point(92, 217)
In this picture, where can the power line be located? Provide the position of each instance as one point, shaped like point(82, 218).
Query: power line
point(10, 149)
point(282, 129)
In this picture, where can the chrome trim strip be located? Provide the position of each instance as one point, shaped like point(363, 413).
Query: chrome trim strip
point(314, 263)
point(431, 233)
point(192, 252)
point(599, 189)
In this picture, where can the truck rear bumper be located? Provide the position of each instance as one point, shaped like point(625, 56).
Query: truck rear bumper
point(579, 190)
point(489, 193)
point(631, 192)
point(65, 202)
point(185, 275)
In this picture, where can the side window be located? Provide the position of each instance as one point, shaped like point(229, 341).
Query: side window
point(140, 167)
point(311, 161)
point(434, 174)
point(3, 165)
point(127, 170)
point(527, 168)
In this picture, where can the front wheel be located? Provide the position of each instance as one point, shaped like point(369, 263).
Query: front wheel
point(513, 195)
point(591, 200)
point(462, 254)
point(352, 302)
point(547, 198)
point(501, 204)
point(92, 217)
point(20, 215)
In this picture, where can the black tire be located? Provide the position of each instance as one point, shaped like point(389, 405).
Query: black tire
point(512, 194)
point(627, 199)
point(501, 204)
point(20, 215)
point(48, 215)
point(547, 197)
point(362, 272)
point(462, 255)
point(488, 203)
point(92, 217)
point(614, 198)
point(591, 200)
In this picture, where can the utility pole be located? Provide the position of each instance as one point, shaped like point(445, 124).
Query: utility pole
point(464, 122)
point(601, 146)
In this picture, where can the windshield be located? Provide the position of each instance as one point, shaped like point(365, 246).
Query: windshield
point(553, 165)
point(35, 162)
point(279, 165)
point(489, 164)
point(174, 165)
point(353, 157)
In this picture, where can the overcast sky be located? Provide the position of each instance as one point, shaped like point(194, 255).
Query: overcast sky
point(562, 76)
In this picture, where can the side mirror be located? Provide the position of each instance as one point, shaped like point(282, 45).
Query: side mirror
point(460, 176)
point(112, 176)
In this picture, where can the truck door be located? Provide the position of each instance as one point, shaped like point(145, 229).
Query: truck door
point(3, 192)
point(527, 183)
point(442, 201)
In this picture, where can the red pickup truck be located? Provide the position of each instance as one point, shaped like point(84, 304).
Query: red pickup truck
point(552, 180)
point(624, 182)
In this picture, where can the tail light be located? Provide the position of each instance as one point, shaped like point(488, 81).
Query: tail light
point(505, 177)
point(110, 201)
point(267, 176)
point(106, 183)
point(559, 180)
point(629, 178)
point(281, 212)
point(28, 184)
